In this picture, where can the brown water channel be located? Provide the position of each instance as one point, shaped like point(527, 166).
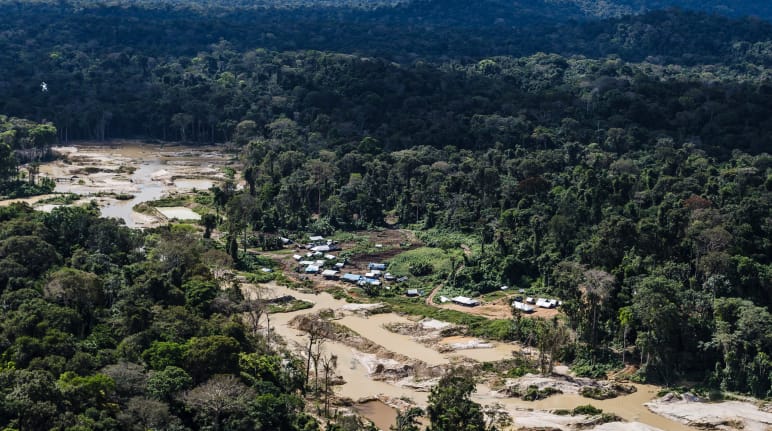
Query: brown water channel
point(352, 367)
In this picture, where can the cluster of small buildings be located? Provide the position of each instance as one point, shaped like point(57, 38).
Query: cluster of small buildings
point(319, 256)
point(527, 306)
point(318, 259)
point(375, 271)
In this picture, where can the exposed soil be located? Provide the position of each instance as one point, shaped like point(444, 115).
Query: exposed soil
point(392, 242)
point(566, 385)
point(103, 171)
point(728, 415)
point(498, 309)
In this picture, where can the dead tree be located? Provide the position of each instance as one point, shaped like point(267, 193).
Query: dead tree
point(317, 332)
point(329, 365)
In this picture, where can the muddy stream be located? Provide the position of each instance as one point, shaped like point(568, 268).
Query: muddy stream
point(358, 385)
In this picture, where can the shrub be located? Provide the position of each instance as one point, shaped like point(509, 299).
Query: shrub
point(588, 410)
point(420, 269)
point(533, 393)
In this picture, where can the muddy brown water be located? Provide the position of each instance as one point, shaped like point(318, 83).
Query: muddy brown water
point(146, 190)
point(92, 168)
point(382, 415)
point(360, 386)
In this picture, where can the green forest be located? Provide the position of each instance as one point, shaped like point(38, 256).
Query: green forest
point(620, 162)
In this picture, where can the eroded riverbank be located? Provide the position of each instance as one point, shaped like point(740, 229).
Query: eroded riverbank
point(354, 368)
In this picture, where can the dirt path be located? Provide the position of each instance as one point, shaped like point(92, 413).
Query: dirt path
point(432, 294)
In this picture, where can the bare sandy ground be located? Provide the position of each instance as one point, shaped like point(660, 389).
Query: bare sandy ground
point(727, 415)
point(101, 171)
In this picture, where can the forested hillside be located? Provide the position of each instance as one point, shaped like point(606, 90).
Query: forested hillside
point(757, 8)
point(107, 328)
point(620, 164)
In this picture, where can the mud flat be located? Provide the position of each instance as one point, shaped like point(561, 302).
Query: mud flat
point(377, 371)
point(727, 415)
point(353, 364)
point(135, 172)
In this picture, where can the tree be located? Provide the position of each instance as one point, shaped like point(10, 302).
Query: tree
point(329, 364)
point(164, 354)
point(255, 307)
point(30, 397)
point(451, 407)
point(145, 414)
point(211, 355)
point(626, 320)
point(743, 338)
point(407, 420)
point(241, 210)
point(551, 336)
point(76, 289)
point(164, 384)
point(317, 331)
point(209, 222)
point(596, 289)
point(217, 398)
point(276, 412)
point(199, 293)
point(36, 255)
point(130, 379)
point(81, 392)
point(654, 306)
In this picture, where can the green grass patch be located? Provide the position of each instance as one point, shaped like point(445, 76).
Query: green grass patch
point(416, 307)
point(294, 305)
point(229, 172)
point(144, 208)
point(253, 262)
point(494, 329)
point(204, 198)
point(62, 199)
point(497, 294)
point(261, 277)
point(587, 409)
point(363, 247)
point(533, 393)
point(438, 259)
point(342, 236)
point(340, 293)
point(582, 368)
point(287, 251)
point(170, 201)
point(478, 326)
point(446, 240)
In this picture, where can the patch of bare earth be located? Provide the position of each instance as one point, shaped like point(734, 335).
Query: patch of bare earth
point(727, 415)
point(499, 309)
point(381, 364)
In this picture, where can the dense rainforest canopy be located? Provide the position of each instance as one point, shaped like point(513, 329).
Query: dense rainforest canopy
point(621, 164)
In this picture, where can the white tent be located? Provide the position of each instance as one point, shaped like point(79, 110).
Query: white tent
point(463, 300)
point(522, 306)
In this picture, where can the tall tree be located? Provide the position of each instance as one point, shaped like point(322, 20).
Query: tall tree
point(450, 404)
